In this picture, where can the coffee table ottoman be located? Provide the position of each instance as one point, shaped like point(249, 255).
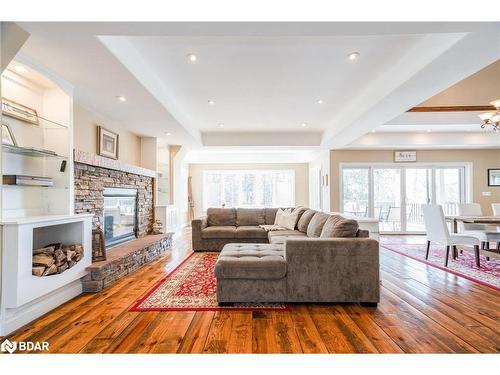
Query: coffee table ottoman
point(251, 273)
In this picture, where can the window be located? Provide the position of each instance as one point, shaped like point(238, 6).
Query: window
point(396, 194)
point(355, 191)
point(244, 188)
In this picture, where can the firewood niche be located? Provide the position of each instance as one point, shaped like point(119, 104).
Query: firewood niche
point(55, 258)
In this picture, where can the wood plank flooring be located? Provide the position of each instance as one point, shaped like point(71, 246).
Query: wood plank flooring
point(423, 310)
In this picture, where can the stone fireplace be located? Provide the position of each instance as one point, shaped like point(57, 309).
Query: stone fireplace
point(101, 183)
point(120, 198)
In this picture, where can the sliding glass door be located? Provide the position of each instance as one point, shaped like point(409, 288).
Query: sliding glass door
point(417, 194)
point(356, 190)
point(396, 194)
point(449, 189)
point(387, 198)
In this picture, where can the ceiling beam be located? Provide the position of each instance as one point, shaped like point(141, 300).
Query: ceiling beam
point(433, 140)
point(442, 64)
point(454, 108)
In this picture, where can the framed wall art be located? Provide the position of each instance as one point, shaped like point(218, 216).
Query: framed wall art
point(405, 156)
point(107, 143)
point(494, 177)
point(18, 111)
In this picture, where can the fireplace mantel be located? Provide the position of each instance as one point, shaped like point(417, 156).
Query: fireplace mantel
point(102, 162)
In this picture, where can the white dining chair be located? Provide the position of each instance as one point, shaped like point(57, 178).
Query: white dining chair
point(479, 230)
point(437, 231)
point(496, 212)
point(496, 209)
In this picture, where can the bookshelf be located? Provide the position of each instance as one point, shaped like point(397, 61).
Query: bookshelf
point(42, 144)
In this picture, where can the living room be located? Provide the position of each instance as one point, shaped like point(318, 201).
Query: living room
point(250, 188)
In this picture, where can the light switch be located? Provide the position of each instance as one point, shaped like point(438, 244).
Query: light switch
point(486, 193)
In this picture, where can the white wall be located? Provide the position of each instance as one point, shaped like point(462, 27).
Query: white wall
point(180, 185)
point(319, 177)
point(85, 135)
point(301, 179)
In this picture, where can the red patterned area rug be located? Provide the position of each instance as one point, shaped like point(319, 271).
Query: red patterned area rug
point(465, 266)
point(192, 287)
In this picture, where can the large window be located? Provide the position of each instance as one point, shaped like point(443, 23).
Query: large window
point(244, 188)
point(396, 194)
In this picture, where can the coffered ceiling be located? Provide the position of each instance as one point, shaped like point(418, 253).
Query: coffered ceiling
point(260, 84)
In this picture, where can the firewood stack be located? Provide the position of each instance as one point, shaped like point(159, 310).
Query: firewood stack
point(55, 258)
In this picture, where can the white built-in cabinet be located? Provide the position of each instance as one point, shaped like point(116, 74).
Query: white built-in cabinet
point(33, 215)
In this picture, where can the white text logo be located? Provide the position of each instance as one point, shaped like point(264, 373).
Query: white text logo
point(23, 346)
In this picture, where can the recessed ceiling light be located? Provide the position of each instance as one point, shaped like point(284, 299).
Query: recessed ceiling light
point(373, 131)
point(168, 133)
point(192, 57)
point(353, 56)
point(121, 98)
point(20, 69)
point(429, 130)
point(220, 125)
point(211, 102)
point(321, 101)
point(303, 124)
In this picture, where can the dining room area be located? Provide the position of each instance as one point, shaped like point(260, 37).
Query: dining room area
point(466, 243)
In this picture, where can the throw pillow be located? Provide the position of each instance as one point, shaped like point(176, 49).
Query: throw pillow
point(304, 220)
point(316, 224)
point(279, 213)
point(338, 226)
point(299, 210)
point(288, 220)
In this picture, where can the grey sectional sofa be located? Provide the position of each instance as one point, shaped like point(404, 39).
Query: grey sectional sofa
point(222, 226)
point(326, 258)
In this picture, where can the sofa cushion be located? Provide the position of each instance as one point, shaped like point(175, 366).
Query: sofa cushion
point(251, 261)
point(280, 240)
point(221, 216)
point(250, 231)
point(218, 232)
point(299, 210)
point(270, 215)
point(316, 224)
point(305, 219)
point(281, 233)
point(338, 226)
point(250, 216)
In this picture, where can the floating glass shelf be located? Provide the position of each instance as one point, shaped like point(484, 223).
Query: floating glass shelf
point(8, 186)
point(28, 151)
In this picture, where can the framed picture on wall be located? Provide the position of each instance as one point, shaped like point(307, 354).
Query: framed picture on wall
point(494, 177)
point(107, 143)
point(405, 156)
point(18, 111)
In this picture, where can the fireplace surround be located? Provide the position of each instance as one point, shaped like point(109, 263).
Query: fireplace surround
point(93, 175)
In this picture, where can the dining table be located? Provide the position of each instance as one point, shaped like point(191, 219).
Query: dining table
point(488, 220)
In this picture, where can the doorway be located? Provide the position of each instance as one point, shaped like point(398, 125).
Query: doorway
point(396, 194)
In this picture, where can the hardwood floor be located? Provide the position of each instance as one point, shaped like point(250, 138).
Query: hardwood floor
point(422, 310)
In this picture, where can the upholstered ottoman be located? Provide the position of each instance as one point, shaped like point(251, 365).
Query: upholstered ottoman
point(251, 273)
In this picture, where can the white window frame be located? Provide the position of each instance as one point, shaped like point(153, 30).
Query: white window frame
point(247, 171)
point(465, 188)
